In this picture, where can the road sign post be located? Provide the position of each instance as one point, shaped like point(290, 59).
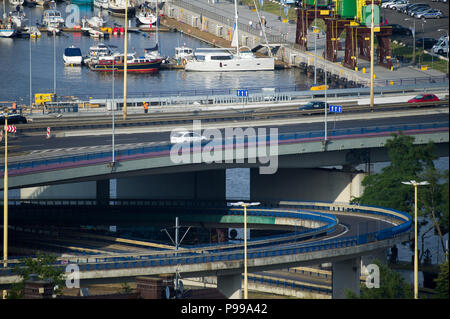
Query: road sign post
point(335, 109)
point(242, 93)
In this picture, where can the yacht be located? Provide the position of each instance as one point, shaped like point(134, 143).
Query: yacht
point(72, 56)
point(117, 8)
point(101, 4)
point(94, 22)
point(7, 30)
point(97, 51)
point(16, 2)
point(18, 18)
point(182, 54)
point(222, 60)
point(52, 19)
point(135, 64)
point(145, 16)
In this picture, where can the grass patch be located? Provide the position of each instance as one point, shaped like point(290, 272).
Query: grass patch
point(421, 57)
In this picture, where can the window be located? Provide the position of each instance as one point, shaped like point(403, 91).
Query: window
point(221, 57)
point(200, 57)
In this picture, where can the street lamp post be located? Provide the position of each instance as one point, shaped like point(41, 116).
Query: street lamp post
point(244, 205)
point(315, 42)
point(372, 35)
point(414, 40)
point(125, 63)
point(5, 199)
point(416, 258)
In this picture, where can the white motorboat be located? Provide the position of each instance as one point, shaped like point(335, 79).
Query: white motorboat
point(224, 60)
point(52, 18)
point(7, 31)
point(16, 2)
point(34, 32)
point(95, 21)
point(18, 18)
point(117, 8)
point(145, 16)
point(72, 56)
point(101, 4)
point(97, 51)
point(183, 54)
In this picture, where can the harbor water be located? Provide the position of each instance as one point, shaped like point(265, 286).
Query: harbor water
point(84, 83)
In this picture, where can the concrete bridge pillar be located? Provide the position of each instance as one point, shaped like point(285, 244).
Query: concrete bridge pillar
point(329, 185)
point(102, 188)
point(346, 276)
point(230, 286)
point(206, 185)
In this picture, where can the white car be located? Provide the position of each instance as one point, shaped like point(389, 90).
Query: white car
point(388, 4)
point(399, 5)
point(185, 136)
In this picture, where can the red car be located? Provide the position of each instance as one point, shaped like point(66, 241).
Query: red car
point(424, 98)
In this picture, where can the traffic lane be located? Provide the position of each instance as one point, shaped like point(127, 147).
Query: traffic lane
point(30, 143)
point(427, 29)
point(362, 225)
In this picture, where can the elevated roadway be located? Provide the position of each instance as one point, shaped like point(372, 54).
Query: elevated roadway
point(344, 249)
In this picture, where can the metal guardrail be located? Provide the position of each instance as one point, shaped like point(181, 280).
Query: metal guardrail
point(182, 258)
point(104, 157)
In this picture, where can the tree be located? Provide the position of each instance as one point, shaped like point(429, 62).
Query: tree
point(392, 286)
point(442, 282)
point(408, 161)
point(43, 266)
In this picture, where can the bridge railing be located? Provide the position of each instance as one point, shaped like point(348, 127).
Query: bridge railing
point(195, 256)
point(62, 162)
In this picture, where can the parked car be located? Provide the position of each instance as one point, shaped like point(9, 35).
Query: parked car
point(185, 136)
point(441, 47)
point(418, 8)
point(399, 5)
point(426, 43)
point(13, 119)
point(398, 29)
point(388, 4)
point(413, 6)
point(424, 98)
point(429, 14)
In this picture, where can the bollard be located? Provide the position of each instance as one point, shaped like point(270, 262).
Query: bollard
point(48, 132)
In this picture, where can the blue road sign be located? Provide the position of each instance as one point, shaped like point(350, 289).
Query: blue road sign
point(335, 108)
point(242, 93)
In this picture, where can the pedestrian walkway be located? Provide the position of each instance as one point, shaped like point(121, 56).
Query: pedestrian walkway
point(286, 32)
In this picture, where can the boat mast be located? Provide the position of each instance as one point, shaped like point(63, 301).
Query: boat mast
point(4, 10)
point(125, 63)
point(236, 32)
point(263, 28)
point(157, 26)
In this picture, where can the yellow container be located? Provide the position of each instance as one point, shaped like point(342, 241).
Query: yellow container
point(110, 30)
point(41, 98)
point(424, 67)
point(104, 29)
point(319, 88)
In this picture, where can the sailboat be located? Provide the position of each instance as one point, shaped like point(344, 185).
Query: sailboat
point(224, 60)
point(152, 54)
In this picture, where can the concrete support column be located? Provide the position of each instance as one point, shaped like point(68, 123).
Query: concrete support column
point(230, 286)
point(102, 192)
point(346, 275)
point(329, 185)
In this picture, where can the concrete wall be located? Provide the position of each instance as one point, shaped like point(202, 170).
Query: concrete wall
point(230, 286)
point(190, 185)
point(82, 190)
point(306, 184)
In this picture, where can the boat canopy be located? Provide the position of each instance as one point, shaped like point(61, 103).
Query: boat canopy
point(72, 52)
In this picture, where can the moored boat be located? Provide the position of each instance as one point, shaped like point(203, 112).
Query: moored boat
point(117, 8)
point(95, 52)
point(101, 4)
point(134, 64)
point(145, 16)
point(72, 56)
point(18, 18)
point(52, 18)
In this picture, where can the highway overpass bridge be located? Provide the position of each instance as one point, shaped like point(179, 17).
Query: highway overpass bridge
point(335, 234)
point(147, 167)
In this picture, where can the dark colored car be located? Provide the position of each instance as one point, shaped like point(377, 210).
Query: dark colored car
point(418, 7)
point(412, 6)
point(13, 119)
point(313, 105)
point(426, 43)
point(424, 98)
point(398, 29)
